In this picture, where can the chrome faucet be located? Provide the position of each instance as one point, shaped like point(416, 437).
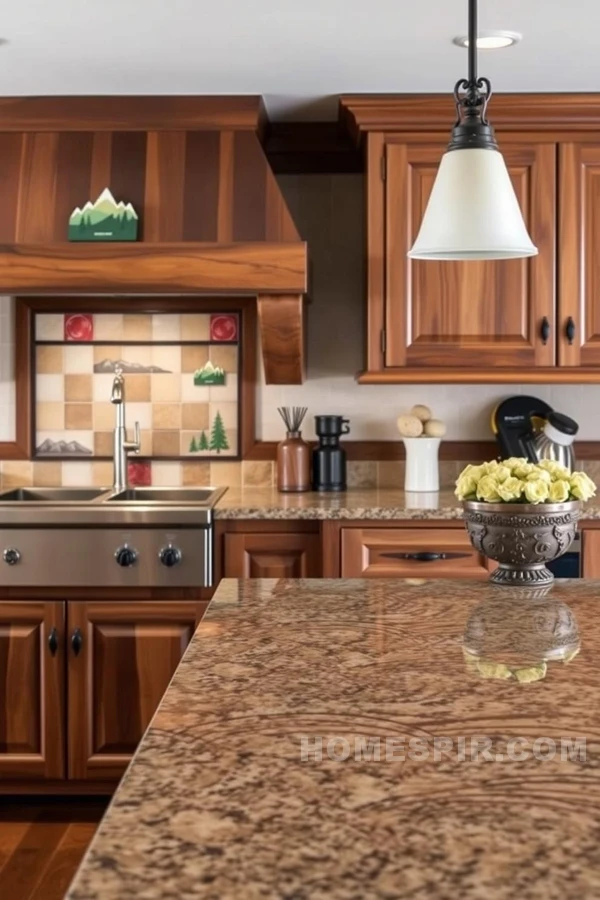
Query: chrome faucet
point(121, 445)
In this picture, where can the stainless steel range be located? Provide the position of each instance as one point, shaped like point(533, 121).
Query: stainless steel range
point(136, 537)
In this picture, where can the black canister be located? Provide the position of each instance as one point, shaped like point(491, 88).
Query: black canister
point(328, 458)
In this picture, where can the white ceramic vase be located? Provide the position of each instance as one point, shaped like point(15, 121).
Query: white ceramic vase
point(422, 469)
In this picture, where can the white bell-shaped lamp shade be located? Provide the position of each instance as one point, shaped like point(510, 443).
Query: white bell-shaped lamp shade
point(473, 211)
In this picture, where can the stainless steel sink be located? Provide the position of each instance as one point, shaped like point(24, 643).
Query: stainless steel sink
point(52, 495)
point(204, 496)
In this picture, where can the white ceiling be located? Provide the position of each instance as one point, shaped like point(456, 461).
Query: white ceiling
point(300, 54)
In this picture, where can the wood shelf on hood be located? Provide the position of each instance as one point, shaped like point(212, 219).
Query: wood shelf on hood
point(190, 267)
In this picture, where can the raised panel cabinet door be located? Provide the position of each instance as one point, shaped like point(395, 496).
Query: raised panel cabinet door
point(32, 690)
point(272, 556)
point(590, 542)
point(121, 657)
point(478, 313)
point(406, 553)
point(578, 258)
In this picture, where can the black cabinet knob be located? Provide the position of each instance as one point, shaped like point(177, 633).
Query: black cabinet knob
point(53, 641)
point(170, 556)
point(570, 330)
point(77, 641)
point(126, 556)
point(545, 330)
point(11, 556)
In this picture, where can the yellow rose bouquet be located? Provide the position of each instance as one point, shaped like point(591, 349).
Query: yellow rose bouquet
point(516, 480)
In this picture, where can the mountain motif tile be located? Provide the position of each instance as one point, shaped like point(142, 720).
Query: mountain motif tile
point(103, 220)
point(209, 374)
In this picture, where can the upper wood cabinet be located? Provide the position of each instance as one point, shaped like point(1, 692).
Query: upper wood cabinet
point(462, 313)
point(579, 260)
point(504, 321)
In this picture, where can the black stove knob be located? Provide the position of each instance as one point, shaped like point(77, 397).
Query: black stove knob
point(126, 556)
point(170, 556)
point(11, 556)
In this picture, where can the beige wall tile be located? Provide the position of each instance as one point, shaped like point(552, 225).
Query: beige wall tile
point(226, 473)
point(50, 387)
point(49, 416)
point(167, 358)
point(226, 357)
point(78, 359)
point(78, 416)
point(165, 443)
point(103, 352)
point(77, 473)
point(165, 388)
point(103, 443)
point(193, 358)
point(195, 327)
point(166, 415)
point(257, 473)
point(78, 388)
point(108, 327)
point(137, 354)
point(17, 473)
point(166, 327)
point(166, 474)
point(194, 416)
point(229, 414)
point(138, 388)
point(146, 443)
point(50, 327)
point(193, 393)
point(362, 474)
point(390, 474)
point(47, 474)
point(104, 416)
point(102, 474)
point(49, 360)
point(195, 473)
point(137, 327)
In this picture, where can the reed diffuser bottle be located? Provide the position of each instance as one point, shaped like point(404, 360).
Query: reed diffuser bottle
point(293, 453)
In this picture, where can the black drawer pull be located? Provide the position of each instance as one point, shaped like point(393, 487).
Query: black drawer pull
point(570, 330)
point(53, 641)
point(77, 641)
point(545, 330)
point(425, 556)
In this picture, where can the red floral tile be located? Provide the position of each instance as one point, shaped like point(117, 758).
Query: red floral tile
point(224, 327)
point(79, 327)
point(139, 473)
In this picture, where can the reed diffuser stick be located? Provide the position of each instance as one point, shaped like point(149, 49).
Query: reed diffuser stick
point(292, 417)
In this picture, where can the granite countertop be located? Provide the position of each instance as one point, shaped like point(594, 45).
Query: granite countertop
point(356, 503)
point(218, 803)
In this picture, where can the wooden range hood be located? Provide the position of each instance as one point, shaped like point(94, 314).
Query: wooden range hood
point(212, 217)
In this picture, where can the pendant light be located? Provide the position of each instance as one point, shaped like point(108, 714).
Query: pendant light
point(473, 211)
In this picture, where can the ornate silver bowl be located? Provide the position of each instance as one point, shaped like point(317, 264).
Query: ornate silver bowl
point(522, 537)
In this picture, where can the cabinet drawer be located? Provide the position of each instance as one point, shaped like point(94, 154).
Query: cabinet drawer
point(410, 553)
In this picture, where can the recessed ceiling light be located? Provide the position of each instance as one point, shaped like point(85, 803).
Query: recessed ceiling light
point(491, 40)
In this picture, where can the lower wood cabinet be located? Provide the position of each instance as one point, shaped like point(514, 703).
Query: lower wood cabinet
point(80, 682)
point(127, 655)
point(257, 555)
point(590, 548)
point(410, 553)
point(32, 690)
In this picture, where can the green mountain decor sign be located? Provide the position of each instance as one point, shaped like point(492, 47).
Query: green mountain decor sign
point(104, 220)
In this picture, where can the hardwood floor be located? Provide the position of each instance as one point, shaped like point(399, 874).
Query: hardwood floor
point(42, 843)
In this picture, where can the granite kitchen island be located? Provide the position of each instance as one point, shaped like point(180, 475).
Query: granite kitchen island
point(368, 739)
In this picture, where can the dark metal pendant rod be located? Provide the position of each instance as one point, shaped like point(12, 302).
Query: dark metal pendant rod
point(472, 42)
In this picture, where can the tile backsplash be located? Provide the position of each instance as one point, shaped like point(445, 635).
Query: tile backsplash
point(181, 380)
